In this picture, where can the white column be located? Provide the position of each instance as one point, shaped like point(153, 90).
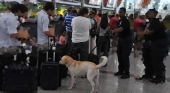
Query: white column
point(82, 3)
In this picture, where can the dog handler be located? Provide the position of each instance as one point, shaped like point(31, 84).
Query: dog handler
point(125, 44)
point(158, 47)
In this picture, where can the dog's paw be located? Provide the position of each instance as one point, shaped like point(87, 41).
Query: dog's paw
point(69, 88)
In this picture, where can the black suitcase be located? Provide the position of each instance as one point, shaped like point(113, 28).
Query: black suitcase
point(63, 68)
point(20, 79)
point(58, 55)
point(93, 58)
point(50, 79)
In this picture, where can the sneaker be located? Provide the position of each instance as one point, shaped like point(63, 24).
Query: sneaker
point(125, 76)
point(118, 73)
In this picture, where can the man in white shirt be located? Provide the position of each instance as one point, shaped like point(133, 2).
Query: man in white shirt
point(80, 35)
point(43, 23)
point(9, 34)
point(8, 26)
point(43, 31)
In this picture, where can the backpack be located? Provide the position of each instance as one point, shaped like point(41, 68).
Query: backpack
point(93, 32)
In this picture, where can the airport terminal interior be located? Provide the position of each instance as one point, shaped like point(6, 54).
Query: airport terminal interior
point(108, 83)
point(111, 84)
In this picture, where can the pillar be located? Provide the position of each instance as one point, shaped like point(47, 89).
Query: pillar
point(54, 2)
point(82, 3)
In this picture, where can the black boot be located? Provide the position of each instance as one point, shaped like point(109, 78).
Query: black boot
point(119, 73)
point(158, 80)
point(125, 76)
point(146, 77)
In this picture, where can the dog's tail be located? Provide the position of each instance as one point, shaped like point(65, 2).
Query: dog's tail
point(103, 62)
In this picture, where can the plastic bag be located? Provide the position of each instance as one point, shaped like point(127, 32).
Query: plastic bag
point(138, 67)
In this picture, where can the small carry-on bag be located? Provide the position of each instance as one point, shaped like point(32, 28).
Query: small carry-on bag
point(50, 79)
point(20, 79)
point(93, 58)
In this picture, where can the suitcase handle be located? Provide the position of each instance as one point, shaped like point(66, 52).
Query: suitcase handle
point(53, 56)
point(53, 48)
point(49, 42)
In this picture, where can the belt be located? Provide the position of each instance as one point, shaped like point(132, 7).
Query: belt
point(11, 49)
point(43, 46)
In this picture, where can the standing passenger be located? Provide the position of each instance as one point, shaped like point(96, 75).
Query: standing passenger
point(9, 34)
point(68, 20)
point(80, 35)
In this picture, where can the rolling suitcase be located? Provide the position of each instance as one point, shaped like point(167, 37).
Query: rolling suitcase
point(50, 79)
point(20, 79)
point(63, 68)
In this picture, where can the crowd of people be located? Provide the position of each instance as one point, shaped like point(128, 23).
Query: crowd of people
point(148, 36)
point(87, 32)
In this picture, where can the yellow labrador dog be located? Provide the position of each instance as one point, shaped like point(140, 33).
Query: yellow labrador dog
point(80, 68)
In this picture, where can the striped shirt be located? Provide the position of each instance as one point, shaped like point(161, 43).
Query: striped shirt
point(68, 20)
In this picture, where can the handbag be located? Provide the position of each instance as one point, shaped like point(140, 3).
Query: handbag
point(93, 31)
point(108, 34)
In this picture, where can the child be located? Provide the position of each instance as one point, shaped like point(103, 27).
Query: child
point(62, 38)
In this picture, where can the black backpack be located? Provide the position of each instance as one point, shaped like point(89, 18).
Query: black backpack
point(93, 32)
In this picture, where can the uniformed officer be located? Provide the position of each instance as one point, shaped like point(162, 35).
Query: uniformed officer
point(158, 46)
point(146, 53)
point(9, 34)
point(124, 46)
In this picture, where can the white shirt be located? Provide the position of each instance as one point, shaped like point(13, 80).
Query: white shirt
point(8, 25)
point(80, 29)
point(42, 27)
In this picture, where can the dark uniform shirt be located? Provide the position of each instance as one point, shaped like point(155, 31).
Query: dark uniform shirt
point(147, 37)
point(158, 30)
point(125, 24)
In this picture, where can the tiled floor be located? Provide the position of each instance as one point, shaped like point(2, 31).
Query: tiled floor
point(111, 84)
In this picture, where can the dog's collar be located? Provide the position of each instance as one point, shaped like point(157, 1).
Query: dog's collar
point(70, 64)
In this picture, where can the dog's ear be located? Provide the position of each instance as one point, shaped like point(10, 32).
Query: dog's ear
point(68, 59)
